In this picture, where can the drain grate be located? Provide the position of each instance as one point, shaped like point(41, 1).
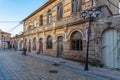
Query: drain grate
point(56, 64)
point(53, 71)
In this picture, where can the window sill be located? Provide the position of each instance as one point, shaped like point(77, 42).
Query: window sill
point(60, 19)
point(75, 13)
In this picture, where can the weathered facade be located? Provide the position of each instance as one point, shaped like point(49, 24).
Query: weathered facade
point(107, 41)
point(58, 29)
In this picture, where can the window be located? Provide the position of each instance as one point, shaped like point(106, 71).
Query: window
point(30, 26)
point(49, 17)
point(60, 11)
point(49, 42)
point(76, 41)
point(94, 3)
point(75, 6)
point(35, 24)
point(41, 20)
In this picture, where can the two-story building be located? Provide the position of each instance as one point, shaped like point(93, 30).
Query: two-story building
point(58, 29)
point(4, 40)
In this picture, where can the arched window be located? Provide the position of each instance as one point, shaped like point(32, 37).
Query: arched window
point(49, 42)
point(76, 41)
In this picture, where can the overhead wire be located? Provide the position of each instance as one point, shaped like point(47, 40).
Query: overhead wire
point(9, 21)
point(20, 23)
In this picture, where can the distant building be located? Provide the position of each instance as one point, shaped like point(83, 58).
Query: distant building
point(17, 41)
point(4, 39)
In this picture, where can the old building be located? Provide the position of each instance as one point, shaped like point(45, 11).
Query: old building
point(4, 39)
point(57, 29)
point(17, 41)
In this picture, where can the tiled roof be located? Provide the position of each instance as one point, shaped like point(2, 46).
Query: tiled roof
point(3, 32)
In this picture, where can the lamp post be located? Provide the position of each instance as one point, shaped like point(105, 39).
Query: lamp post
point(90, 14)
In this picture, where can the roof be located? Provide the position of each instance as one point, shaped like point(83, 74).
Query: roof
point(4, 32)
point(43, 6)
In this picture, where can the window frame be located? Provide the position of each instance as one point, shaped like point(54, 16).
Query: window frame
point(77, 7)
point(49, 16)
point(76, 44)
point(41, 20)
point(35, 23)
point(60, 11)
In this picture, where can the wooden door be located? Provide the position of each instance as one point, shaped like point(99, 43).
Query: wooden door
point(111, 48)
point(59, 46)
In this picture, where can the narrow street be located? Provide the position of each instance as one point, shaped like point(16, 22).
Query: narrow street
point(15, 66)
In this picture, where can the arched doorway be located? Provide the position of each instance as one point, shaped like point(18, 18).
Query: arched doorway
point(111, 48)
point(15, 44)
point(29, 47)
point(40, 45)
point(59, 46)
point(34, 44)
point(49, 44)
point(21, 44)
point(8, 44)
point(25, 44)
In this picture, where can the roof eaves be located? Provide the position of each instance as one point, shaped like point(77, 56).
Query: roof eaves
point(43, 6)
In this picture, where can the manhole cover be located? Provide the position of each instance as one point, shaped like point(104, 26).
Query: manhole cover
point(53, 71)
point(55, 64)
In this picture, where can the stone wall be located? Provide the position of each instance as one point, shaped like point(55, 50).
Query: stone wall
point(67, 25)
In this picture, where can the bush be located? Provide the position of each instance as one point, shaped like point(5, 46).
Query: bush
point(101, 65)
point(94, 64)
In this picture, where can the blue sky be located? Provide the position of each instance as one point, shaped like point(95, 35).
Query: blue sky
point(16, 10)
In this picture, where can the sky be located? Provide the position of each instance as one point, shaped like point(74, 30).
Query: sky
point(12, 12)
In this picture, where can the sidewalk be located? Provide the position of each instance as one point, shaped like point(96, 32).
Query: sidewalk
point(103, 72)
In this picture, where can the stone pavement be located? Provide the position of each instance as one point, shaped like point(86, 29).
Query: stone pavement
point(15, 66)
point(77, 67)
point(4, 74)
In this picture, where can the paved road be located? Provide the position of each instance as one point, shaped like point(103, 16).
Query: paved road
point(15, 66)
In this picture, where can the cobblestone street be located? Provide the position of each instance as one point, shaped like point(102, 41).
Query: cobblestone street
point(15, 66)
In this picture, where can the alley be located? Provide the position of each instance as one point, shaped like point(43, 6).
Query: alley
point(15, 66)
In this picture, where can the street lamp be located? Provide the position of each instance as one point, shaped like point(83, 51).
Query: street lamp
point(90, 14)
